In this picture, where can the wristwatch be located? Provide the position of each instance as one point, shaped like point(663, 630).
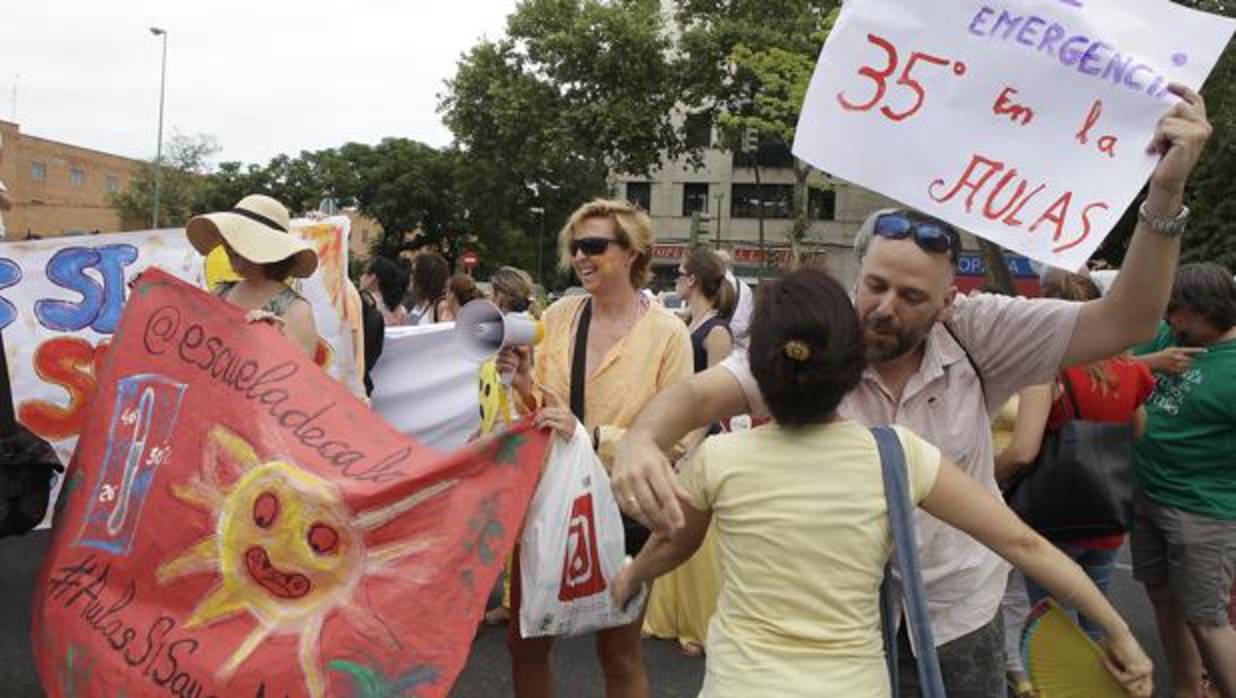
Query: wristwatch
point(1168, 226)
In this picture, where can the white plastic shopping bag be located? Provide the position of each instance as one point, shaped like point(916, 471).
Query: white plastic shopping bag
point(573, 546)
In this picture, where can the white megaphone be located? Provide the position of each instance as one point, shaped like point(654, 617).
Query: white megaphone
point(483, 331)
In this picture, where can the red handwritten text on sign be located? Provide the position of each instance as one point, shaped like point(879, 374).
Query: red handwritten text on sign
point(879, 79)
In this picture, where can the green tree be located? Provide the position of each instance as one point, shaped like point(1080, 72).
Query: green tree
point(748, 63)
point(574, 90)
point(400, 183)
point(185, 165)
point(1211, 192)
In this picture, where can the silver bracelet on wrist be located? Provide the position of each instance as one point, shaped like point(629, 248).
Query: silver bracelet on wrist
point(1167, 226)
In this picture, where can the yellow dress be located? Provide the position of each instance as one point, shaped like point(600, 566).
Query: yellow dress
point(682, 602)
point(1003, 425)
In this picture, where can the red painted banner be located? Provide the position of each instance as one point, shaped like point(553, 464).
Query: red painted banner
point(235, 523)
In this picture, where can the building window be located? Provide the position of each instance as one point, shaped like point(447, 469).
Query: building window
point(694, 198)
point(112, 184)
point(640, 194)
point(822, 204)
point(38, 171)
point(77, 177)
point(778, 201)
point(699, 130)
point(773, 153)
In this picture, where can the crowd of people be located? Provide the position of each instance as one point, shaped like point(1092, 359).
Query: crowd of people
point(765, 548)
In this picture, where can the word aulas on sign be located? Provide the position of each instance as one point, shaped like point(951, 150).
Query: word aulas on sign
point(1016, 202)
point(150, 649)
point(266, 386)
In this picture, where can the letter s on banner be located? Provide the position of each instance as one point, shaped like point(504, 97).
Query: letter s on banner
point(71, 363)
point(10, 274)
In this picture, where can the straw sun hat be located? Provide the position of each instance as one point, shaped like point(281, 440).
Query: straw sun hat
point(257, 229)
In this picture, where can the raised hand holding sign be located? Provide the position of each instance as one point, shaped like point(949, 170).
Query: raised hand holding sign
point(1025, 123)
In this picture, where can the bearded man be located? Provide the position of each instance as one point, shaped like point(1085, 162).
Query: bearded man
point(942, 364)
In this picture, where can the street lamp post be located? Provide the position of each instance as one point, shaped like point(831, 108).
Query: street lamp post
point(159, 149)
point(540, 245)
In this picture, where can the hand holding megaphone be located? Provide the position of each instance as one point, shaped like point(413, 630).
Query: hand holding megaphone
point(483, 331)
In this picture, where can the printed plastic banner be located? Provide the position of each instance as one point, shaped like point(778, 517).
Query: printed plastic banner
point(61, 299)
point(235, 523)
point(1023, 122)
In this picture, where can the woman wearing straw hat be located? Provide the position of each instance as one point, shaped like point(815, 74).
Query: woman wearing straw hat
point(264, 254)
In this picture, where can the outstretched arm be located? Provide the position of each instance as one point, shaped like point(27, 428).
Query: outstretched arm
point(1131, 310)
point(642, 476)
point(960, 501)
point(661, 554)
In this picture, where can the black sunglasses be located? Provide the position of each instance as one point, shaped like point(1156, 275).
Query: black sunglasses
point(590, 246)
point(930, 235)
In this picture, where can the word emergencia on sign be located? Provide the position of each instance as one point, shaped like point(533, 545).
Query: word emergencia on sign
point(234, 523)
point(1023, 122)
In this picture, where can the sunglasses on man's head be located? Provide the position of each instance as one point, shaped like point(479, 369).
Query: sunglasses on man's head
point(590, 246)
point(930, 235)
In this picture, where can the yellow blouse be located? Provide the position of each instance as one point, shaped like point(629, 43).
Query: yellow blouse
point(655, 353)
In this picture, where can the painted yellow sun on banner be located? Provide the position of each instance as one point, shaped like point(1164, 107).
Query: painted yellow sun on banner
point(288, 550)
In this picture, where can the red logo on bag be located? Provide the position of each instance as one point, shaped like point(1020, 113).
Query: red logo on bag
point(581, 571)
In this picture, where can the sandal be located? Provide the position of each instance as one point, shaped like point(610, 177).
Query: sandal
point(1019, 685)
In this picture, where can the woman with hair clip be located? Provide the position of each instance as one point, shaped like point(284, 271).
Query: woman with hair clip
point(682, 602)
point(264, 254)
point(608, 351)
point(1111, 391)
point(803, 524)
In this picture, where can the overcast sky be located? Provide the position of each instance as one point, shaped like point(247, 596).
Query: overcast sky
point(263, 77)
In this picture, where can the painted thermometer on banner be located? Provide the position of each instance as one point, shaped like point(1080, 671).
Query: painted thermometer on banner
point(906, 81)
point(137, 447)
point(139, 442)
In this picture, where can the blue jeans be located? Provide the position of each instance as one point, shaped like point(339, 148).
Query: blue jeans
point(1098, 564)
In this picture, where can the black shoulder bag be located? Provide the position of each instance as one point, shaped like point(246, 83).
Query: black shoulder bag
point(635, 534)
point(1081, 484)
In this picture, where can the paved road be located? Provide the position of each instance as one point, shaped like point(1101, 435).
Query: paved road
point(488, 671)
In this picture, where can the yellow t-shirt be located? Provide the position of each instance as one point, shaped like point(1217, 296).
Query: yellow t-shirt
point(803, 535)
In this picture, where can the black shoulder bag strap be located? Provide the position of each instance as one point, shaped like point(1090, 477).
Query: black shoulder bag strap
point(579, 361)
point(970, 360)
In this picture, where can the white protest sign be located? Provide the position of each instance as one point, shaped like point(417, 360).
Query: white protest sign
point(61, 299)
point(1025, 122)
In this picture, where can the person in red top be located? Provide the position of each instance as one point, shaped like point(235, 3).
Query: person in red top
point(1111, 390)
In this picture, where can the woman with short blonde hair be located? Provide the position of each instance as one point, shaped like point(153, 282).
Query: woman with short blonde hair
point(632, 230)
point(631, 350)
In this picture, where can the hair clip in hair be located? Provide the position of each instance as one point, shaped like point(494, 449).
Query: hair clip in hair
point(797, 350)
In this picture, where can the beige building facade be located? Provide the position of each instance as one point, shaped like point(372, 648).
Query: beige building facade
point(725, 192)
point(57, 188)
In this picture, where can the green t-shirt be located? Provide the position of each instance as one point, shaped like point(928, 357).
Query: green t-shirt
point(1187, 458)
